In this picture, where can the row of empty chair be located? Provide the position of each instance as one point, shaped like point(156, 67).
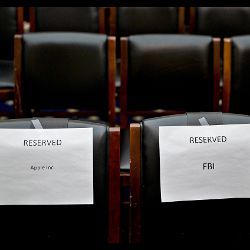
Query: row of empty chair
point(92, 19)
point(125, 21)
point(160, 74)
point(53, 19)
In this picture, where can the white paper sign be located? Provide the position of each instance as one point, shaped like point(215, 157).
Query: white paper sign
point(204, 162)
point(46, 166)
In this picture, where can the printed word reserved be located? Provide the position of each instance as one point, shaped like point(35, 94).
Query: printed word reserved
point(42, 143)
point(211, 139)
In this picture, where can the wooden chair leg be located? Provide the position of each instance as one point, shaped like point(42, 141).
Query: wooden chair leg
point(135, 184)
point(114, 186)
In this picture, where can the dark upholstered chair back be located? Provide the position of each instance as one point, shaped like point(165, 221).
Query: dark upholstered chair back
point(184, 223)
point(236, 75)
point(172, 72)
point(65, 70)
point(62, 224)
point(82, 19)
point(146, 20)
point(222, 21)
point(8, 28)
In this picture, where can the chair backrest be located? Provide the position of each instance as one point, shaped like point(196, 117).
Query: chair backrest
point(74, 224)
point(11, 23)
point(236, 75)
point(126, 21)
point(65, 70)
point(81, 19)
point(220, 21)
point(174, 73)
point(178, 223)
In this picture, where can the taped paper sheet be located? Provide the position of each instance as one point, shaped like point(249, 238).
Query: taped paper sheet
point(46, 166)
point(204, 162)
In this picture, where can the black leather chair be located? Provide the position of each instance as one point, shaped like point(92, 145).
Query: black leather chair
point(174, 73)
point(204, 224)
point(126, 21)
point(77, 19)
point(168, 74)
point(236, 91)
point(65, 70)
point(11, 23)
point(220, 21)
point(71, 225)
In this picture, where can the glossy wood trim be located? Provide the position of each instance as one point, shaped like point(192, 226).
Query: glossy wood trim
point(216, 73)
point(17, 76)
point(114, 186)
point(124, 82)
point(32, 13)
point(227, 60)
point(102, 19)
point(192, 19)
point(20, 20)
point(111, 79)
point(112, 21)
point(181, 19)
point(135, 184)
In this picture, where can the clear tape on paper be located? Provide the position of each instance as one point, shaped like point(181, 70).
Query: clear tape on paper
point(203, 121)
point(37, 124)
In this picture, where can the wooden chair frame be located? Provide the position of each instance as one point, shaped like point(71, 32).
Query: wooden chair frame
point(112, 20)
point(19, 109)
point(101, 17)
point(114, 186)
point(20, 19)
point(226, 94)
point(135, 184)
point(8, 93)
point(192, 19)
point(124, 82)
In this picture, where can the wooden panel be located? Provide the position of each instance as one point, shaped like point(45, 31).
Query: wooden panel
point(114, 186)
point(226, 75)
point(135, 183)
